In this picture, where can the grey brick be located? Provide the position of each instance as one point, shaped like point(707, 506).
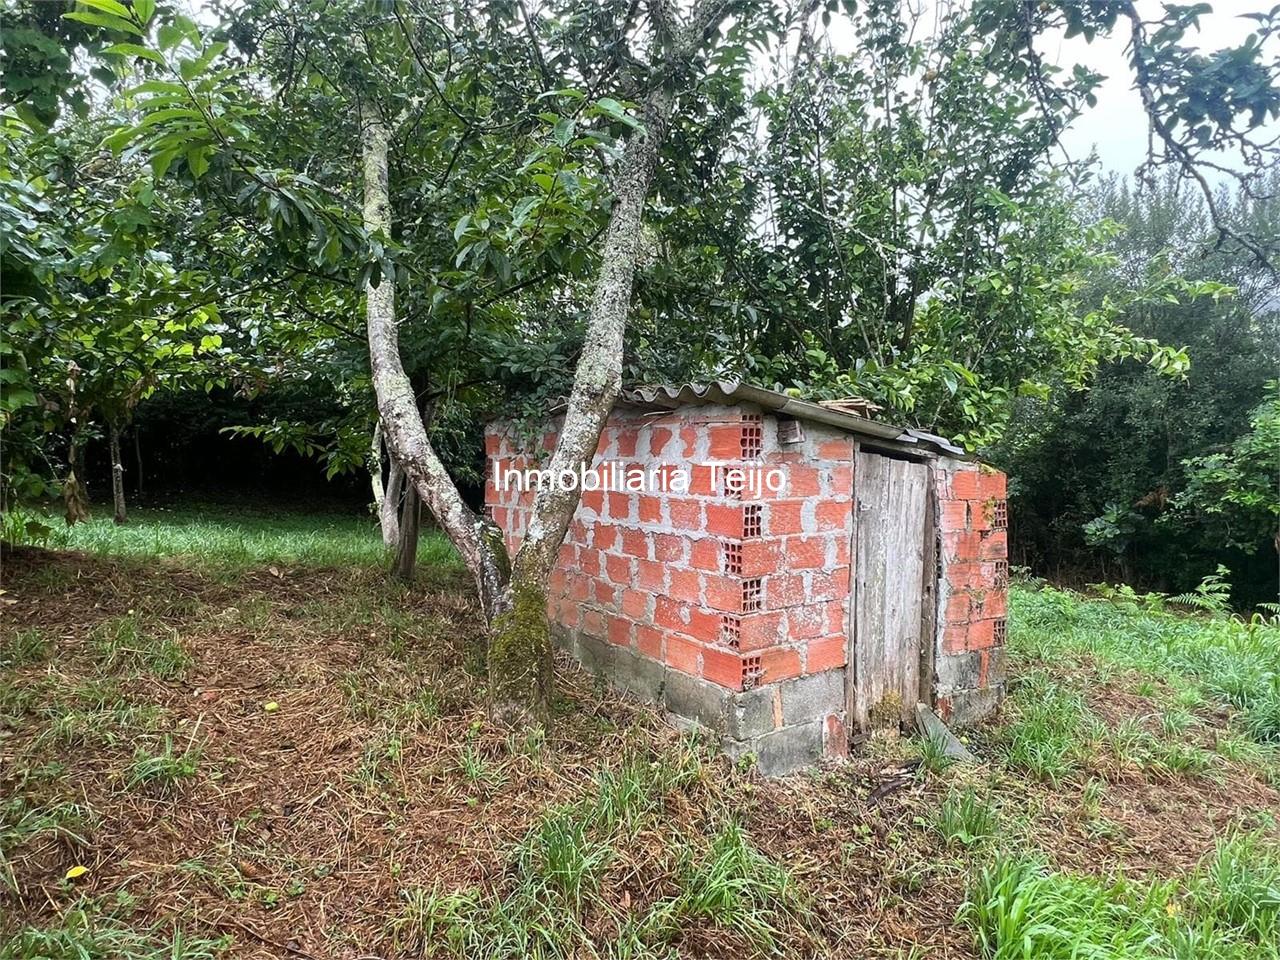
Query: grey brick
point(695, 699)
point(782, 751)
point(969, 707)
point(638, 675)
point(960, 671)
point(596, 656)
point(750, 713)
point(813, 697)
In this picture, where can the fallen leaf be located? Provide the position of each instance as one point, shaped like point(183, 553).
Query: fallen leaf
point(271, 706)
point(76, 872)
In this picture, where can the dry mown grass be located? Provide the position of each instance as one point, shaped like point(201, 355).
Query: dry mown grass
point(298, 763)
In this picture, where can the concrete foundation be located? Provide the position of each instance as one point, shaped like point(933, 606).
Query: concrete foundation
point(784, 727)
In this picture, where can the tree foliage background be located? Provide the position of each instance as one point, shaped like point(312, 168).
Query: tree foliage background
point(181, 217)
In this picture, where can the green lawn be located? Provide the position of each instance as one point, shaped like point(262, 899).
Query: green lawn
point(251, 753)
point(242, 537)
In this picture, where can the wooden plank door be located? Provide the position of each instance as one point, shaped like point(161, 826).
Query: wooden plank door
point(888, 588)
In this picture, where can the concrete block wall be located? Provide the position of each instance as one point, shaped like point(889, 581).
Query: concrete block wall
point(973, 592)
point(726, 603)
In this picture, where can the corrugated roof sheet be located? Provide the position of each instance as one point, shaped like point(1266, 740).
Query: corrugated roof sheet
point(732, 392)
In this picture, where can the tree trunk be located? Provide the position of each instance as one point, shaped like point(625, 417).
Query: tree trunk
point(520, 644)
point(75, 495)
point(137, 457)
point(477, 539)
point(513, 596)
point(390, 513)
point(386, 500)
point(117, 474)
point(78, 445)
point(407, 537)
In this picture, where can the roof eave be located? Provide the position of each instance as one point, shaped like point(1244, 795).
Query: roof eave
point(729, 392)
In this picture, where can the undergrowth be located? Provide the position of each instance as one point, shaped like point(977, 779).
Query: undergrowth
point(1229, 909)
point(1233, 661)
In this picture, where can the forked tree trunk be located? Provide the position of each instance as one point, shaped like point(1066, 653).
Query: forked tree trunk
point(407, 537)
point(117, 474)
point(513, 595)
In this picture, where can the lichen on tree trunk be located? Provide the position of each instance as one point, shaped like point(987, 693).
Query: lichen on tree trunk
point(520, 677)
point(117, 475)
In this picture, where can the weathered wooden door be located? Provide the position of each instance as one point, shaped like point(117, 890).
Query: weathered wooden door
point(891, 499)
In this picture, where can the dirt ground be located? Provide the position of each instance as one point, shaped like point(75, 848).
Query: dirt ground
point(343, 757)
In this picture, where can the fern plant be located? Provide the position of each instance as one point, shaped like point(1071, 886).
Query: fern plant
point(1212, 595)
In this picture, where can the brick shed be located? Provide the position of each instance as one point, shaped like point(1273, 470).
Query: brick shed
point(848, 570)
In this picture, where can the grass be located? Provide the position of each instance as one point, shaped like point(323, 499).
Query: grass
point(22, 648)
point(736, 888)
point(965, 818)
point(1223, 659)
point(164, 769)
point(1229, 909)
point(560, 854)
point(561, 863)
point(1048, 728)
point(933, 749)
point(124, 643)
point(23, 823)
point(101, 722)
point(1110, 815)
point(82, 936)
point(245, 537)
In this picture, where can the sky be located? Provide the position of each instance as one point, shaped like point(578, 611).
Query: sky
point(1117, 127)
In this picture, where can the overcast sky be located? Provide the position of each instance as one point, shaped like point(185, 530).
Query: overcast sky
point(1117, 128)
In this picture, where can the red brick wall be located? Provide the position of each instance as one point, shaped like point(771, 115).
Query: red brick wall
point(740, 589)
point(973, 593)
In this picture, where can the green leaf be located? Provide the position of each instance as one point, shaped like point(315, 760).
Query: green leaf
point(198, 159)
point(159, 86)
point(103, 20)
point(563, 131)
point(190, 69)
point(113, 7)
point(169, 113)
point(169, 36)
point(135, 50)
point(612, 108)
point(160, 162)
